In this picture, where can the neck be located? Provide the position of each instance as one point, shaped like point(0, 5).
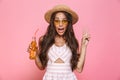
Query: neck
point(59, 39)
point(60, 36)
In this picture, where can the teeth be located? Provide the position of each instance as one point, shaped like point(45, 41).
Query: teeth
point(60, 28)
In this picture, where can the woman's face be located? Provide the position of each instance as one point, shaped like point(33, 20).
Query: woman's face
point(60, 23)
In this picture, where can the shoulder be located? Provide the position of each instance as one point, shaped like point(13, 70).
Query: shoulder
point(41, 39)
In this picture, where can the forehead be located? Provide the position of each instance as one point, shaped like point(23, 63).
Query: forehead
point(60, 15)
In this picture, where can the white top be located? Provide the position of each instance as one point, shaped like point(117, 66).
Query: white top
point(59, 71)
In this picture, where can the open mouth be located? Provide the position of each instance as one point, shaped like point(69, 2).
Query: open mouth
point(61, 30)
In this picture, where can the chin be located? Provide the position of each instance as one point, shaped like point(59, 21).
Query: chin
point(60, 34)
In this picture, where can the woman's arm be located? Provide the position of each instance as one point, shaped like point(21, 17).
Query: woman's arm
point(81, 61)
point(37, 60)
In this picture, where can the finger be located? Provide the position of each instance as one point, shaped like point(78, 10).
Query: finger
point(88, 38)
point(85, 35)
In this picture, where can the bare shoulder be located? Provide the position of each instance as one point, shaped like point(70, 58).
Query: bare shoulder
point(41, 38)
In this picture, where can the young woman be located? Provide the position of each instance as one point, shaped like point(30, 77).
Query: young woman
point(59, 51)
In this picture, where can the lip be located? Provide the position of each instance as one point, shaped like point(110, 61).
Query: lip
point(61, 30)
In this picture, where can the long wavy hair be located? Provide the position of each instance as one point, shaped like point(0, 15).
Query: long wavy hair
point(49, 39)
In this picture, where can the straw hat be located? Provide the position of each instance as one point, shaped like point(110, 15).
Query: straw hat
point(61, 8)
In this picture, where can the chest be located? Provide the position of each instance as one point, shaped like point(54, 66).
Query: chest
point(64, 53)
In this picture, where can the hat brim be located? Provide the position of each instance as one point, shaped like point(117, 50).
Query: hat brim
point(61, 8)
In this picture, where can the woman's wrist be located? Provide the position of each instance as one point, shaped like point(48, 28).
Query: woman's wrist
point(83, 45)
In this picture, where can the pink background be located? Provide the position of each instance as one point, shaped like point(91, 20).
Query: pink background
point(19, 19)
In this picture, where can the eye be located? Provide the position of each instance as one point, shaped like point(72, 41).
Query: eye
point(56, 21)
point(64, 21)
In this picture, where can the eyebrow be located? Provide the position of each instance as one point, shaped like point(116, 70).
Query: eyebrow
point(58, 18)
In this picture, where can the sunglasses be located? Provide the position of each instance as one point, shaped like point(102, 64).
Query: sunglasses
point(64, 22)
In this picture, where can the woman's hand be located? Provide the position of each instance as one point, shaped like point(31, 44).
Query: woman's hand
point(32, 49)
point(85, 39)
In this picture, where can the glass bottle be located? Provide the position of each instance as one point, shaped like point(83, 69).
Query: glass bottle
point(33, 48)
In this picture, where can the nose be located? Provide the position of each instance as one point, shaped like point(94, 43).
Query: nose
point(60, 23)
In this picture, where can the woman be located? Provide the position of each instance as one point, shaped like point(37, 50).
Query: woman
point(59, 51)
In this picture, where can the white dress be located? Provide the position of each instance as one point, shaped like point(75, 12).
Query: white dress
point(59, 71)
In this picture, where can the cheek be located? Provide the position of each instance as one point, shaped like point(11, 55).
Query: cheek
point(65, 27)
point(56, 27)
